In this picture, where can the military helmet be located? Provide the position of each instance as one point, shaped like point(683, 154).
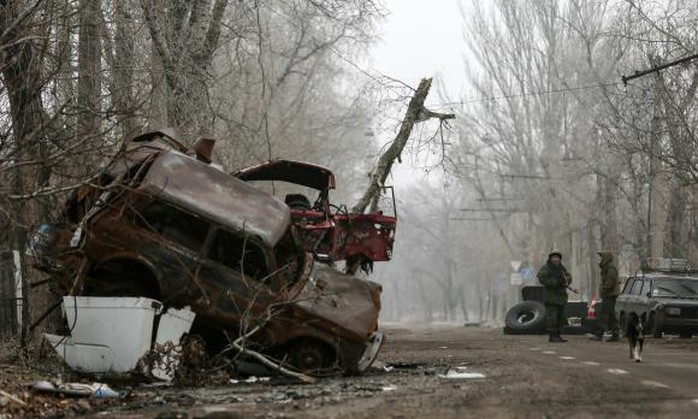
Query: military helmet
point(555, 252)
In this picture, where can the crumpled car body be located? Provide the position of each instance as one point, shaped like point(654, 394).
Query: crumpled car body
point(163, 223)
point(328, 230)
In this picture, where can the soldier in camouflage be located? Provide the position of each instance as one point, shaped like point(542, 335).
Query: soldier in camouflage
point(609, 291)
point(555, 278)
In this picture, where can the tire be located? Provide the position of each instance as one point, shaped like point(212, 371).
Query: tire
point(526, 317)
point(653, 328)
point(310, 356)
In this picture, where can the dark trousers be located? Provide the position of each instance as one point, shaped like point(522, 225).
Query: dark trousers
point(607, 315)
point(555, 318)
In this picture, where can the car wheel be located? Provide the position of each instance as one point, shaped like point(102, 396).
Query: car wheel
point(653, 327)
point(527, 316)
point(309, 356)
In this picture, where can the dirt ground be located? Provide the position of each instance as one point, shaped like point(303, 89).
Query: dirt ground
point(421, 371)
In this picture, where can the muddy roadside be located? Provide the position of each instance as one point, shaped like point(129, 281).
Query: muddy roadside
point(440, 371)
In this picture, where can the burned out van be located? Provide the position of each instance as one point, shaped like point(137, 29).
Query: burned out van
point(162, 222)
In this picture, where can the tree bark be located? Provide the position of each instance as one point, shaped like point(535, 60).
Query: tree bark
point(89, 68)
point(122, 68)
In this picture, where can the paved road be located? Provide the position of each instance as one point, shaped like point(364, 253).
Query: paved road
point(501, 376)
point(668, 363)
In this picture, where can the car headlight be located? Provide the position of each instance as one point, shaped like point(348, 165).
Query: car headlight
point(673, 311)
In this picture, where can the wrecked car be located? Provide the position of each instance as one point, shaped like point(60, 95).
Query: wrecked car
point(328, 231)
point(162, 222)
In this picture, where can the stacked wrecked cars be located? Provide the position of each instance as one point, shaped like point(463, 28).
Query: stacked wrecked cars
point(161, 222)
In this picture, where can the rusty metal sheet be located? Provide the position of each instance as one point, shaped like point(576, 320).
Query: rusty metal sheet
point(300, 173)
point(207, 191)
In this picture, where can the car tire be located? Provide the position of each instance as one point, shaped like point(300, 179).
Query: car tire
point(310, 356)
point(653, 327)
point(526, 317)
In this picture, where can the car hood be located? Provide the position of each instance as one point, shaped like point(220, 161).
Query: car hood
point(347, 301)
point(300, 173)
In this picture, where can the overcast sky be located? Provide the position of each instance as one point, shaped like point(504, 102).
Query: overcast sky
point(423, 39)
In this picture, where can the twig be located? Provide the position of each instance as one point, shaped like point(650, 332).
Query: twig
point(266, 361)
point(13, 398)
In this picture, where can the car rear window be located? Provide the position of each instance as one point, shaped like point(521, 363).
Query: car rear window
point(675, 287)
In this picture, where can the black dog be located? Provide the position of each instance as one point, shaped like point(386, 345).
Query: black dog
point(635, 337)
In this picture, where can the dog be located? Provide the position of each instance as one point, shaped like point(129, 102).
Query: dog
point(635, 335)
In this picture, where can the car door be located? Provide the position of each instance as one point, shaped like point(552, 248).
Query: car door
point(634, 294)
point(643, 299)
point(164, 235)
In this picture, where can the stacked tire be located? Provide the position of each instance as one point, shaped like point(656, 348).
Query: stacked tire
point(527, 317)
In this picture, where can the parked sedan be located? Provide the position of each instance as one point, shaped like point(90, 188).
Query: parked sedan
point(667, 302)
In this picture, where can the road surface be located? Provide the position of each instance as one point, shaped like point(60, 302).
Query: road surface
point(456, 372)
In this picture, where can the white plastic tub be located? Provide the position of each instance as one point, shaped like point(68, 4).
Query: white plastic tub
point(110, 334)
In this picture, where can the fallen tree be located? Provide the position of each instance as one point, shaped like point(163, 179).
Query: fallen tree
point(416, 112)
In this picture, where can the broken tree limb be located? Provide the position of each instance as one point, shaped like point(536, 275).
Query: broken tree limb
point(12, 398)
point(416, 112)
point(237, 344)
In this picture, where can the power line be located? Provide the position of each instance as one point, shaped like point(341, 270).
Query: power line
point(539, 93)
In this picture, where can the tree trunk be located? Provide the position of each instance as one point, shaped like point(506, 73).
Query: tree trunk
point(89, 68)
point(185, 35)
point(657, 207)
point(22, 79)
point(122, 91)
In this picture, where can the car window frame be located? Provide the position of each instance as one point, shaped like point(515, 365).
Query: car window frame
point(269, 256)
point(642, 284)
point(143, 203)
point(628, 285)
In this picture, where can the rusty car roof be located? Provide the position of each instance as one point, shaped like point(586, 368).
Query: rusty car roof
point(207, 191)
point(301, 173)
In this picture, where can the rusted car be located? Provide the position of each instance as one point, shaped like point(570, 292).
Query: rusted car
point(328, 231)
point(163, 223)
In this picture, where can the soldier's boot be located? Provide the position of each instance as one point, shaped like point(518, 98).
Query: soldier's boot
point(556, 338)
point(597, 336)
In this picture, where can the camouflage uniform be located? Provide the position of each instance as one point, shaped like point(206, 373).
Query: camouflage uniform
point(609, 291)
point(555, 279)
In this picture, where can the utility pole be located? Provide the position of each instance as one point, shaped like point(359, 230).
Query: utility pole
point(656, 216)
point(654, 69)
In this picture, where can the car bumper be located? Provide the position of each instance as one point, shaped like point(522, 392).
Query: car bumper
point(373, 347)
point(669, 324)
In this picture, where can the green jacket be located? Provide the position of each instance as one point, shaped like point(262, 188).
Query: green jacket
point(609, 276)
point(555, 279)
